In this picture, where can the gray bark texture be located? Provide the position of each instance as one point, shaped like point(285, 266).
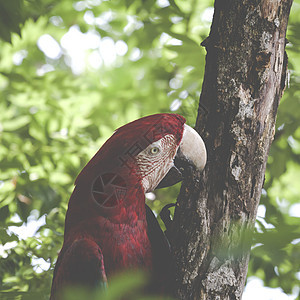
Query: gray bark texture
point(245, 76)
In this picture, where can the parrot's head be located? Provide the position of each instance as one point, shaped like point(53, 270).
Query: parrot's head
point(141, 156)
point(171, 150)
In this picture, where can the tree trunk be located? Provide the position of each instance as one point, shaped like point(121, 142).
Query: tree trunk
point(245, 75)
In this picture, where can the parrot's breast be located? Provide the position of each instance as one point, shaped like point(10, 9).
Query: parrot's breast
point(124, 246)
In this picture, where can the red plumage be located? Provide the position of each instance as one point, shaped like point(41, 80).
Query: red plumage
point(106, 223)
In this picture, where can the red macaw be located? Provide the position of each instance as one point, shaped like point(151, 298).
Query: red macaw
point(108, 229)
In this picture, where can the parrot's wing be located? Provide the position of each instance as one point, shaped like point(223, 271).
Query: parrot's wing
point(158, 240)
point(161, 253)
point(81, 264)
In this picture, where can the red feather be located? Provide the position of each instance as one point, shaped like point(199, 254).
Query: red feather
point(106, 226)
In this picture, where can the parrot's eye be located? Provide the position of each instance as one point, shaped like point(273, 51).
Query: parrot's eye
point(154, 150)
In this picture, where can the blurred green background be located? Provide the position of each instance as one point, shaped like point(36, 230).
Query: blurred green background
point(71, 72)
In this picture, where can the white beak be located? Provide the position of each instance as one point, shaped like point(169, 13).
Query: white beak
point(192, 148)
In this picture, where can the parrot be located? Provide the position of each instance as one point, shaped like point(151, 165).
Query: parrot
point(108, 227)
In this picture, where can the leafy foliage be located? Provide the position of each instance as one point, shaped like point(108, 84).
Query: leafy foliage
point(62, 96)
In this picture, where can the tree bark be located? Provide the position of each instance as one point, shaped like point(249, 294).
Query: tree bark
point(245, 76)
